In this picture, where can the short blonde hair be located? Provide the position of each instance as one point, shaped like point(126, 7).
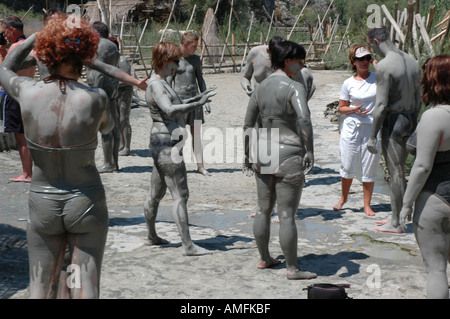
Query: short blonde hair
point(164, 52)
point(189, 37)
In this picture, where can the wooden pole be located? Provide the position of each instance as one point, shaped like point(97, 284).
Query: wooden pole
point(333, 31)
point(26, 13)
point(320, 23)
point(270, 27)
point(233, 44)
point(228, 34)
point(248, 39)
point(444, 39)
point(121, 33)
point(393, 23)
point(296, 21)
point(415, 40)
point(192, 16)
point(396, 21)
point(138, 48)
point(281, 33)
point(424, 34)
point(430, 18)
point(345, 34)
point(168, 20)
point(409, 24)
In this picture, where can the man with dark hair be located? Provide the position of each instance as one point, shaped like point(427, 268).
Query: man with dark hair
point(398, 101)
point(108, 53)
point(12, 122)
point(101, 28)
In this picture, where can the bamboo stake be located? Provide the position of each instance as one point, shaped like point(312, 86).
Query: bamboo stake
point(228, 34)
point(393, 23)
point(296, 21)
point(320, 23)
point(320, 27)
point(270, 26)
point(409, 24)
point(121, 33)
point(437, 36)
point(139, 48)
point(343, 37)
point(237, 19)
point(281, 33)
point(138, 45)
point(333, 31)
point(248, 39)
point(393, 31)
point(415, 40)
point(192, 16)
point(423, 32)
point(26, 13)
point(444, 39)
point(443, 21)
point(168, 20)
point(430, 18)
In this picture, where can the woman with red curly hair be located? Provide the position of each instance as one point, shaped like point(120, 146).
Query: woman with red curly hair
point(429, 181)
point(62, 118)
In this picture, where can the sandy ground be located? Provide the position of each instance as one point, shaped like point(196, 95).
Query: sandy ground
point(341, 247)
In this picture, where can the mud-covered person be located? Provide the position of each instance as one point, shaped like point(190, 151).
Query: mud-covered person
point(62, 118)
point(168, 135)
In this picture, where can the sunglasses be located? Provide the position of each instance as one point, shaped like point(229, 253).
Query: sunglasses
point(364, 58)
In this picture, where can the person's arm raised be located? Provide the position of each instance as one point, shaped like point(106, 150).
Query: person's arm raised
point(116, 73)
point(9, 79)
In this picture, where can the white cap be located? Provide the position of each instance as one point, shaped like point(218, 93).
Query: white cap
point(362, 51)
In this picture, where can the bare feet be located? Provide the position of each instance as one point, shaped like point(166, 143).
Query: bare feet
point(298, 275)
point(268, 264)
point(274, 220)
point(389, 228)
point(369, 211)
point(21, 179)
point(195, 250)
point(156, 241)
point(382, 222)
point(339, 205)
point(106, 169)
point(125, 152)
point(203, 171)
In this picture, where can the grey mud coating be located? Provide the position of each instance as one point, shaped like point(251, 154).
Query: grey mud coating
point(398, 101)
point(67, 201)
point(167, 111)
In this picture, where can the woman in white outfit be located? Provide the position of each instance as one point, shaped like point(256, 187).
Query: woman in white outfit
point(356, 101)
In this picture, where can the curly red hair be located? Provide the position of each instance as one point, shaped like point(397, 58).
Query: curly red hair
point(58, 42)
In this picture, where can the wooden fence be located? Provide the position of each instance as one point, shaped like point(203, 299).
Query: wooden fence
point(410, 31)
point(227, 54)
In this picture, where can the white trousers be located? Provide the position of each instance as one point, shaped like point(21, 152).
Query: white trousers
point(353, 150)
